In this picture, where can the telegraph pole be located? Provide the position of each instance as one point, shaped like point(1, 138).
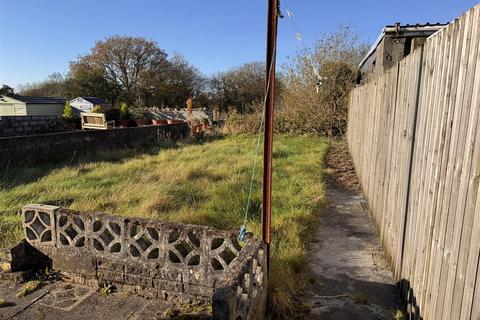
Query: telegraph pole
point(273, 11)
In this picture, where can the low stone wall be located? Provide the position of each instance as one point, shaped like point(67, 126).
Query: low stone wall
point(28, 125)
point(176, 262)
point(26, 150)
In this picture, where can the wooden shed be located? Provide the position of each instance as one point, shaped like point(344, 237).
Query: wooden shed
point(31, 106)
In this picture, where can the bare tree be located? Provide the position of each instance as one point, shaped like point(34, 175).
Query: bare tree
point(317, 83)
point(240, 88)
point(54, 86)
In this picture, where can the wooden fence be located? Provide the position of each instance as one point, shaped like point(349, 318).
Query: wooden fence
point(414, 135)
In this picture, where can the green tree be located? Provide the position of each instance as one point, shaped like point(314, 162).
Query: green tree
point(86, 79)
point(6, 90)
point(175, 83)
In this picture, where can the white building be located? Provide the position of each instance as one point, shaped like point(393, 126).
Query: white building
point(31, 106)
point(86, 104)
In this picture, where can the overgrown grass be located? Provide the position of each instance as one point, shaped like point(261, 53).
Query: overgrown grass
point(192, 183)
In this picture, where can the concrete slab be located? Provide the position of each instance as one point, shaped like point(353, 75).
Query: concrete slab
point(349, 275)
point(60, 300)
point(14, 305)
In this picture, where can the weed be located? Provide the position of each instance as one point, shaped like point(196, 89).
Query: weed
point(107, 289)
point(398, 314)
point(29, 287)
point(171, 313)
point(5, 267)
point(47, 275)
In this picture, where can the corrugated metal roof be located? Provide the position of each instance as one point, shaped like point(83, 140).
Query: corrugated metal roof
point(39, 100)
point(417, 25)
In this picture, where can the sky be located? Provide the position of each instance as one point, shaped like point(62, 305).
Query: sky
point(40, 37)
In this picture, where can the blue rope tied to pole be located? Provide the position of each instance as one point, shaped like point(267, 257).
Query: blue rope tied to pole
point(243, 229)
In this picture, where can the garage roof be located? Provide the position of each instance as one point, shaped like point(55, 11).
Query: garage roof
point(39, 100)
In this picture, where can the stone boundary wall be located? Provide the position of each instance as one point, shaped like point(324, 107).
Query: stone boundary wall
point(176, 262)
point(27, 150)
point(27, 125)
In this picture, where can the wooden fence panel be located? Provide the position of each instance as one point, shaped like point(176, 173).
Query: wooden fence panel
point(414, 136)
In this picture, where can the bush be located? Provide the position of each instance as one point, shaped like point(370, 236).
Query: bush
point(317, 84)
point(68, 113)
point(124, 112)
point(97, 109)
point(304, 108)
point(112, 114)
point(237, 123)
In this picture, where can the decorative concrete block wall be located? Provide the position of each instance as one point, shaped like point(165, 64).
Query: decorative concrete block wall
point(176, 262)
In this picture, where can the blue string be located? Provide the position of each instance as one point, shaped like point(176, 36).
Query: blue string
point(243, 229)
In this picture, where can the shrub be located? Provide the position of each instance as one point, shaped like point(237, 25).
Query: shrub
point(237, 123)
point(97, 109)
point(317, 82)
point(321, 108)
point(124, 112)
point(68, 113)
point(315, 85)
point(112, 114)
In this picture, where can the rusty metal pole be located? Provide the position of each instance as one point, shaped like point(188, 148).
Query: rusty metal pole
point(268, 129)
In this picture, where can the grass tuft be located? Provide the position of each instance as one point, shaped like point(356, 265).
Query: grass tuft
point(29, 287)
point(107, 289)
point(398, 315)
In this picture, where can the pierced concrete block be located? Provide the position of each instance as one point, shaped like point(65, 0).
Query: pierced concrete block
point(39, 224)
point(71, 229)
point(183, 246)
point(144, 240)
point(106, 235)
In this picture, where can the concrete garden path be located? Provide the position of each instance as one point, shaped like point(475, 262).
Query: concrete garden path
point(64, 301)
point(349, 275)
